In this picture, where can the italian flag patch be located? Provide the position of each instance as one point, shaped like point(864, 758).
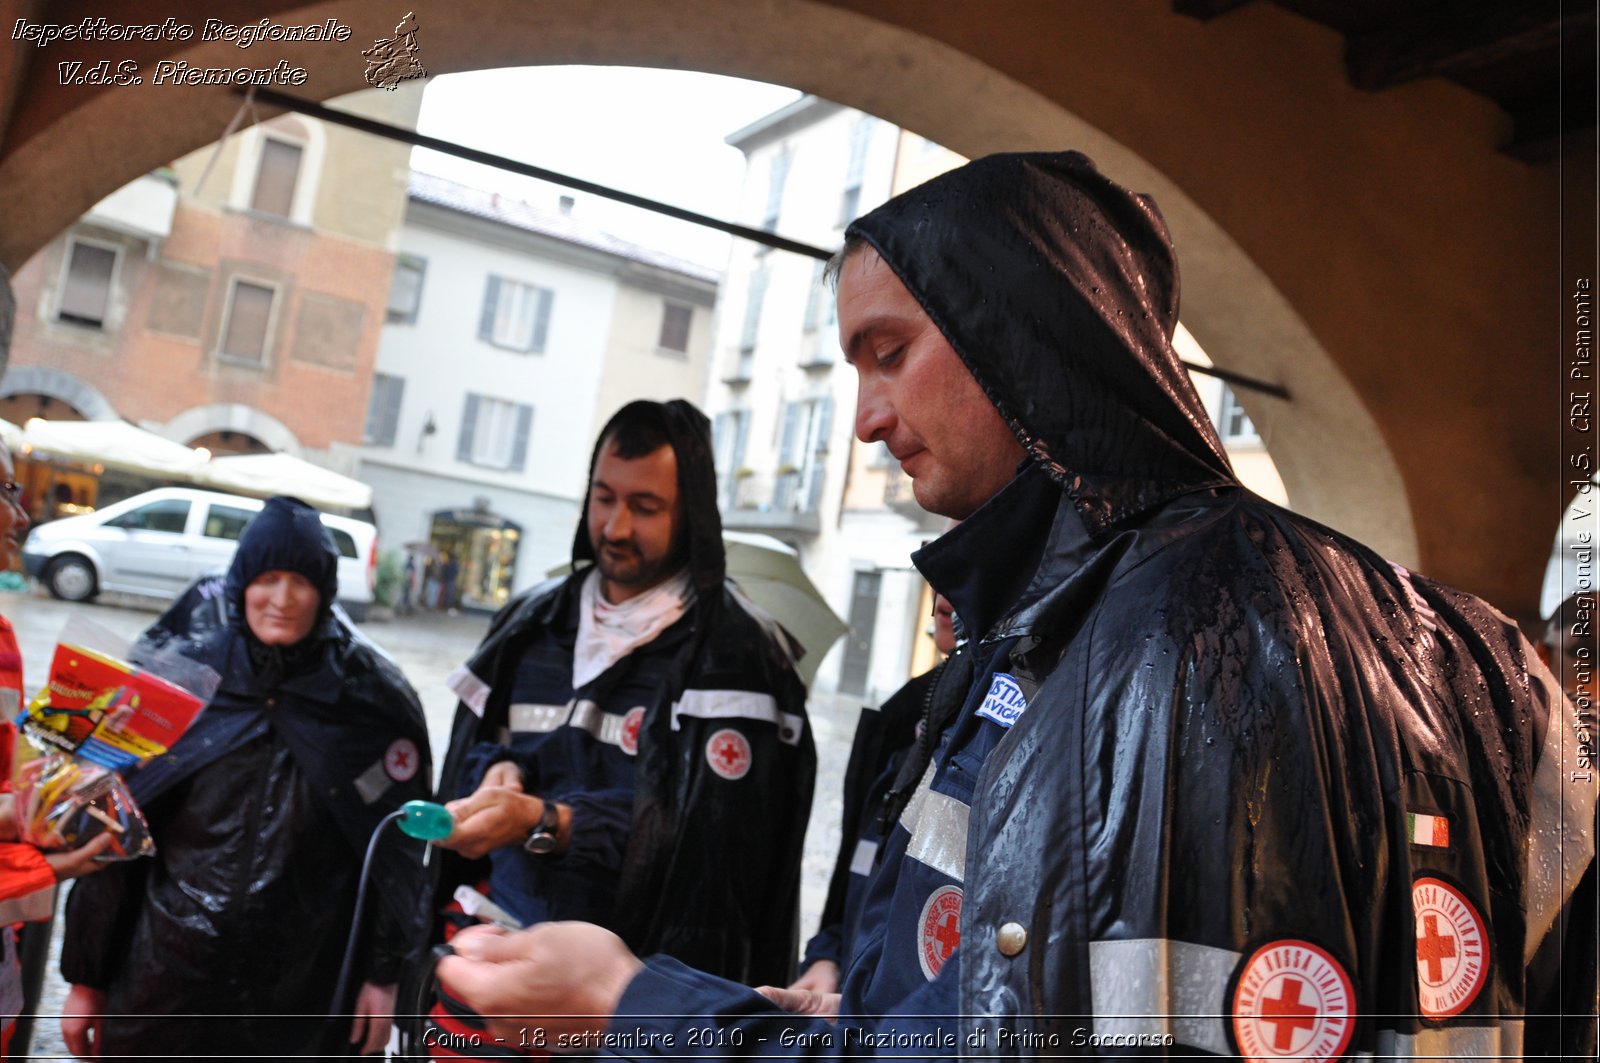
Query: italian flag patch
point(1432, 831)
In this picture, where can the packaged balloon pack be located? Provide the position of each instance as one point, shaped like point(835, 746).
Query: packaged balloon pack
point(95, 719)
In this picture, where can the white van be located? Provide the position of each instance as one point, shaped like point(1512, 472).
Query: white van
point(158, 542)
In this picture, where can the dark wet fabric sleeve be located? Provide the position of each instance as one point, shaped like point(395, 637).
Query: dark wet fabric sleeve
point(99, 921)
point(671, 1011)
point(601, 821)
point(101, 909)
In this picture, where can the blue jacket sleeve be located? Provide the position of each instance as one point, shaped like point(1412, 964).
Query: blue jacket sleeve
point(671, 1011)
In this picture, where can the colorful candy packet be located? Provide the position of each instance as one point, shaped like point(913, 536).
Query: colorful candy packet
point(97, 717)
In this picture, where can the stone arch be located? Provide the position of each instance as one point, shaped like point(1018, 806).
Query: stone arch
point(233, 417)
point(38, 380)
point(1331, 239)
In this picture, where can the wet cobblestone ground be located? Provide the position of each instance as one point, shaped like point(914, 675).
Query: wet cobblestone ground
point(428, 647)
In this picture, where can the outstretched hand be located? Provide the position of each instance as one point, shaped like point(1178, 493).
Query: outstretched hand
point(554, 982)
point(803, 1001)
point(497, 814)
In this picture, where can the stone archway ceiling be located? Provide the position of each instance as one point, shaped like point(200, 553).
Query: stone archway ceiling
point(1534, 58)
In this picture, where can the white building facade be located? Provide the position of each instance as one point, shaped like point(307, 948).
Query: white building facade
point(512, 334)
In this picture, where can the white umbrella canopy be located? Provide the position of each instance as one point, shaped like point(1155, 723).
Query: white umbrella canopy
point(11, 436)
point(114, 444)
point(769, 573)
point(285, 474)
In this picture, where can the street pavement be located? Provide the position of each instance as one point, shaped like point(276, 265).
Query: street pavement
point(427, 646)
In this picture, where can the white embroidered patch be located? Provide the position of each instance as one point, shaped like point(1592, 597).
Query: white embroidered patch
point(728, 753)
point(1004, 704)
point(939, 930)
point(400, 760)
point(1293, 1001)
point(1452, 949)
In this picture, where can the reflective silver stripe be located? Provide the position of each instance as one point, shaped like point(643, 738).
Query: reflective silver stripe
point(602, 726)
point(738, 705)
point(472, 691)
point(584, 715)
point(861, 861)
point(371, 783)
point(1560, 842)
point(10, 702)
point(1454, 1042)
point(1156, 985)
point(538, 719)
point(938, 827)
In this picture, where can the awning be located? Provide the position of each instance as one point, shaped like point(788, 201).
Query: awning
point(285, 474)
point(112, 444)
point(11, 436)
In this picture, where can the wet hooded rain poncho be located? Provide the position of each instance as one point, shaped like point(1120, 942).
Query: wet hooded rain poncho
point(261, 814)
point(1218, 780)
point(690, 791)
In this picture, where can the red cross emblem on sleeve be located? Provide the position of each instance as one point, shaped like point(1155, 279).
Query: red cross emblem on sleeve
point(400, 760)
point(728, 753)
point(629, 738)
point(1292, 1001)
point(939, 930)
point(1452, 949)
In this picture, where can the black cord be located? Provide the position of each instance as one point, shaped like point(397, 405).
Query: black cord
point(343, 985)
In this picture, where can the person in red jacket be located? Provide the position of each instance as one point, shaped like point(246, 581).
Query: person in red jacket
point(24, 869)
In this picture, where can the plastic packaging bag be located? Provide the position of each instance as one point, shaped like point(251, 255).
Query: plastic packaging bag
point(96, 717)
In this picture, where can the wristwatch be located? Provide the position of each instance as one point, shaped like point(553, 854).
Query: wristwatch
point(544, 837)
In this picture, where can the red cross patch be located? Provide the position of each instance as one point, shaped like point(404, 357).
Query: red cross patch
point(940, 930)
point(1452, 949)
point(728, 753)
point(1292, 1001)
point(628, 738)
point(400, 760)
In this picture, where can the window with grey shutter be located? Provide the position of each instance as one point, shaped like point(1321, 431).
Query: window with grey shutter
point(752, 309)
point(519, 443)
point(855, 170)
point(814, 299)
point(383, 410)
point(86, 288)
point(491, 300)
point(515, 316)
point(405, 289)
point(469, 423)
point(675, 321)
point(777, 177)
point(244, 333)
point(276, 175)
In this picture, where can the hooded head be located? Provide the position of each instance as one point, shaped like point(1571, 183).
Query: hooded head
point(1058, 290)
point(640, 429)
point(286, 536)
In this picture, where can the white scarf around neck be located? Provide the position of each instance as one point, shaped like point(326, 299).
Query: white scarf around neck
point(607, 633)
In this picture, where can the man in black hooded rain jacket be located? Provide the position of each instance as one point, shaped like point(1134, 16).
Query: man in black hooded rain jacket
point(632, 747)
point(228, 941)
point(1221, 780)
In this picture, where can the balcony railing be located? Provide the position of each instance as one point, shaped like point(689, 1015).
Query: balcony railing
point(774, 502)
